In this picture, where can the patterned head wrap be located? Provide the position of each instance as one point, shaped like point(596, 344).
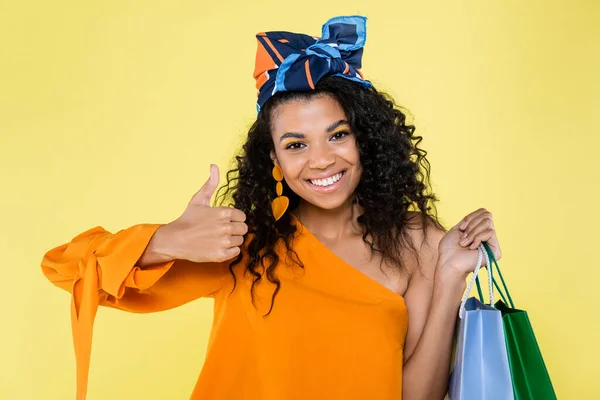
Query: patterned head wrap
point(288, 61)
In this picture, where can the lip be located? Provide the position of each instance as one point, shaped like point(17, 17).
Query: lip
point(329, 175)
point(330, 188)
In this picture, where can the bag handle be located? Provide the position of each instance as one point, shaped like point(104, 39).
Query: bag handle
point(495, 285)
point(490, 254)
point(475, 278)
point(490, 271)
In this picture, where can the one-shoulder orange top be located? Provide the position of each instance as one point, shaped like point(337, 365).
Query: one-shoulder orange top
point(333, 333)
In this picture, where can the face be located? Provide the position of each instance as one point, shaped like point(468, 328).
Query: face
point(317, 151)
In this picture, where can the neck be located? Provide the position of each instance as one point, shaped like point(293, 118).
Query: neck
point(331, 225)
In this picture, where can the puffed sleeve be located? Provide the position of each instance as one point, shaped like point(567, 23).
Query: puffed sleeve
point(99, 268)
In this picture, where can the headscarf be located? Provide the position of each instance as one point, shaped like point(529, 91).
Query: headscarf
point(288, 61)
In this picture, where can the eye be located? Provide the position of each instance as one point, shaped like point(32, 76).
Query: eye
point(294, 146)
point(339, 135)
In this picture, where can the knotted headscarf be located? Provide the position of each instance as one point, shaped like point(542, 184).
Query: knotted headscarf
point(288, 61)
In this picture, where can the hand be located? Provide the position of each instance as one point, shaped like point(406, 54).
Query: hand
point(204, 233)
point(457, 251)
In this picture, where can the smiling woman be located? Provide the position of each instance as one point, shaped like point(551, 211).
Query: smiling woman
point(348, 290)
point(346, 155)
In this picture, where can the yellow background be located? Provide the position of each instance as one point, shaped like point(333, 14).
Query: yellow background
point(111, 112)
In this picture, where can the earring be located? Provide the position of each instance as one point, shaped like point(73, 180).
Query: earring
point(280, 204)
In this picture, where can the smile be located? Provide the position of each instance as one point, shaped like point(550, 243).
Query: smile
point(327, 181)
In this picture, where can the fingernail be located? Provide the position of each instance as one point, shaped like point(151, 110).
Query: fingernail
point(463, 225)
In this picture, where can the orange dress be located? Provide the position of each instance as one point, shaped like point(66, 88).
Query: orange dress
point(334, 333)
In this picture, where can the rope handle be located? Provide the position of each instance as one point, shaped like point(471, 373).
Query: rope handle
point(475, 278)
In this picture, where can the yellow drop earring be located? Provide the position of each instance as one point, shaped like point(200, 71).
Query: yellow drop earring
point(280, 204)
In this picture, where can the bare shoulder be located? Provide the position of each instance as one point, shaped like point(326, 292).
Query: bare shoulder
point(426, 236)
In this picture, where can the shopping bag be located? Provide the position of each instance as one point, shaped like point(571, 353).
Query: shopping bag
point(480, 370)
point(530, 377)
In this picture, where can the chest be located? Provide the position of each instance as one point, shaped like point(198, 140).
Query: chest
point(358, 255)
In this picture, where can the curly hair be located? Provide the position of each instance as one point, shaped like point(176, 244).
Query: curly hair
point(394, 180)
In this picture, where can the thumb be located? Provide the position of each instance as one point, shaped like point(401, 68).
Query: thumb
point(202, 197)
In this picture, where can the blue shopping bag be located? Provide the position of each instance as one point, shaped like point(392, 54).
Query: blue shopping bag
point(481, 370)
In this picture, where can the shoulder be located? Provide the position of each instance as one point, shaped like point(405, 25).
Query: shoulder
point(424, 231)
point(425, 234)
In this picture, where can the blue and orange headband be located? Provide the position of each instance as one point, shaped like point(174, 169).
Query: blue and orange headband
point(288, 61)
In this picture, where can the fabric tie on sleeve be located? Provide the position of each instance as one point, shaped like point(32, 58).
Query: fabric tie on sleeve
point(288, 61)
point(84, 305)
point(99, 268)
point(87, 293)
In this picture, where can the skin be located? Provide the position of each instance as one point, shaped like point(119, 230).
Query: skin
point(311, 141)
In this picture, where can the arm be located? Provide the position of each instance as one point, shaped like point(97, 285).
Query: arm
point(433, 298)
point(132, 273)
point(432, 301)
point(151, 267)
point(100, 268)
point(146, 267)
point(429, 339)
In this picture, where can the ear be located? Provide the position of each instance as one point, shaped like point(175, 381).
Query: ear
point(274, 157)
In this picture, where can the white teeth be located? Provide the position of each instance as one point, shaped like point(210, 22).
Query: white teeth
point(328, 181)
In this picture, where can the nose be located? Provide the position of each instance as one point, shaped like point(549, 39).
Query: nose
point(321, 157)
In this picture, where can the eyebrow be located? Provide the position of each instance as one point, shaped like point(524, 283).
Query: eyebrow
point(300, 135)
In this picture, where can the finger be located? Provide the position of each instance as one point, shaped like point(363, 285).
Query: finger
point(474, 230)
point(231, 214)
point(466, 221)
point(237, 215)
point(230, 253)
point(203, 196)
point(482, 237)
point(236, 241)
point(239, 228)
point(476, 221)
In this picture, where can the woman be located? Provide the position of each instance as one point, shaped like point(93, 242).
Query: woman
point(331, 275)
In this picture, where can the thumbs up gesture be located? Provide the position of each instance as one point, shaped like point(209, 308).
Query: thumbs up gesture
point(204, 233)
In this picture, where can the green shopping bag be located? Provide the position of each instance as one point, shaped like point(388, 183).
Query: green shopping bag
point(530, 377)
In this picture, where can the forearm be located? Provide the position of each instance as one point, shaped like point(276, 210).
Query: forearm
point(157, 250)
point(426, 372)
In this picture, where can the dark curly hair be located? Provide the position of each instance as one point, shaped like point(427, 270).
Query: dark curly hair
point(395, 180)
